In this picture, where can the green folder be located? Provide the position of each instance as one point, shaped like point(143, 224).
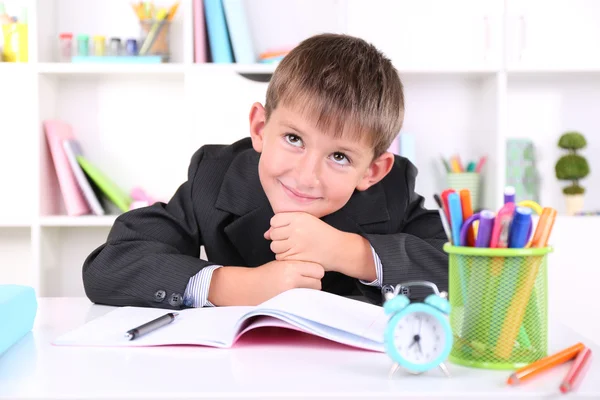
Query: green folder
point(114, 193)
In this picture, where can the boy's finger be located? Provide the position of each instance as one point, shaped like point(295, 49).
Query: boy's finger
point(267, 234)
point(310, 283)
point(280, 246)
point(312, 270)
point(282, 233)
point(282, 219)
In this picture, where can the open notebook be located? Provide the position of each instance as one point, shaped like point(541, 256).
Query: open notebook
point(347, 321)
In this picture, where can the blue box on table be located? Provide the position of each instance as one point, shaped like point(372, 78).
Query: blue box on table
point(18, 308)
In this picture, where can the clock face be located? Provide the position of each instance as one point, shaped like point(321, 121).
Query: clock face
point(419, 338)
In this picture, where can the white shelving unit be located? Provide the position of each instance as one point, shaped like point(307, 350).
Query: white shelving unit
point(475, 73)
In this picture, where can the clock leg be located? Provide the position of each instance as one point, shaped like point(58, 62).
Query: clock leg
point(393, 369)
point(445, 370)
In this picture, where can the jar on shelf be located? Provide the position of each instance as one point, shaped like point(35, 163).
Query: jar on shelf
point(83, 45)
point(114, 49)
point(65, 47)
point(131, 47)
point(99, 45)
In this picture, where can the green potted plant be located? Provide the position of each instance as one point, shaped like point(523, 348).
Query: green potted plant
point(572, 167)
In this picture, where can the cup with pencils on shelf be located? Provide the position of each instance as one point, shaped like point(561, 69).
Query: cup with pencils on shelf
point(460, 176)
point(14, 36)
point(497, 279)
point(155, 23)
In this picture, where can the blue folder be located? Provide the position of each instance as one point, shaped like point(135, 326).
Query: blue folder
point(218, 33)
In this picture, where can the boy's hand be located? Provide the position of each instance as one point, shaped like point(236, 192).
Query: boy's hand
point(276, 277)
point(301, 236)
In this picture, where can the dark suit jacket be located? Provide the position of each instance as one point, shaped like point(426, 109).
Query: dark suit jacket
point(151, 253)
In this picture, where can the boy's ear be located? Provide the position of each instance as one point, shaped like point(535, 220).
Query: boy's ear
point(378, 169)
point(257, 123)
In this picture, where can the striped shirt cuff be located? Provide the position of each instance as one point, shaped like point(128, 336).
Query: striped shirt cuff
point(378, 270)
point(196, 292)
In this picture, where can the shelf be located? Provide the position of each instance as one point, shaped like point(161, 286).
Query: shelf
point(83, 221)
point(65, 69)
point(10, 67)
point(551, 71)
point(10, 222)
point(165, 69)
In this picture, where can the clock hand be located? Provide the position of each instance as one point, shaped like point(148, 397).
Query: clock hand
point(420, 350)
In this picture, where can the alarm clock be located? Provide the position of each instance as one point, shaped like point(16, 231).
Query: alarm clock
point(418, 336)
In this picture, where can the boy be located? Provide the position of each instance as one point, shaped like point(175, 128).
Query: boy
point(312, 199)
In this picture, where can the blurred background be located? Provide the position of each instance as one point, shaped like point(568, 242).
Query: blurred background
point(105, 101)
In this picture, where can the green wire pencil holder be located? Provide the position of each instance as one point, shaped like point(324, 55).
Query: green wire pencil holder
point(499, 306)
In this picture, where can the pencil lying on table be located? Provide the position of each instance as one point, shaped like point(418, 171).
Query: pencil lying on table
point(545, 363)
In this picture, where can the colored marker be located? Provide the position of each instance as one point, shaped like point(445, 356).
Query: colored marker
point(519, 229)
point(545, 363)
point(467, 212)
point(577, 371)
point(466, 228)
point(544, 227)
point(484, 232)
point(444, 196)
point(456, 218)
point(502, 226)
point(446, 165)
point(531, 204)
point(509, 194)
point(480, 164)
point(445, 224)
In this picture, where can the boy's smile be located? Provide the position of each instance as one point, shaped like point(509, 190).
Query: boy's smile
point(303, 169)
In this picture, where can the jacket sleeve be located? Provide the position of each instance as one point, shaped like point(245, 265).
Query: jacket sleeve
point(415, 250)
point(150, 253)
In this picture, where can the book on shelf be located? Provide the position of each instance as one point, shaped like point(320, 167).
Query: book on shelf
point(56, 132)
point(343, 320)
point(83, 186)
point(222, 34)
point(73, 150)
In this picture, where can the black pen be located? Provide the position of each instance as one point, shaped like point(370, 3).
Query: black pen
point(151, 326)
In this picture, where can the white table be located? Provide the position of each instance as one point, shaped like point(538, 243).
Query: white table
point(297, 366)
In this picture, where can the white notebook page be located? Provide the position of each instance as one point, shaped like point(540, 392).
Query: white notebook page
point(201, 326)
point(347, 315)
point(337, 318)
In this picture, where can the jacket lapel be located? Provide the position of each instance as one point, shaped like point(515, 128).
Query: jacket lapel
point(241, 194)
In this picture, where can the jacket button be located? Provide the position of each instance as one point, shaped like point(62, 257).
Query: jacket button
point(175, 300)
point(159, 296)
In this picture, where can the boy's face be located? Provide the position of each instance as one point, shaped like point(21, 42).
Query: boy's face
point(303, 169)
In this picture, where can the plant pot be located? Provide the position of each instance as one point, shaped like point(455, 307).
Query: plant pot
point(574, 203)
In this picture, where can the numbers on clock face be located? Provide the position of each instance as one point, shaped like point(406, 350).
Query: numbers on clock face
point(419, 338)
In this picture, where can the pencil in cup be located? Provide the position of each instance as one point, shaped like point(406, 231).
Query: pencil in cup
point(519, 219)
point(476, 273)
point(456, 222)
point(518, 305)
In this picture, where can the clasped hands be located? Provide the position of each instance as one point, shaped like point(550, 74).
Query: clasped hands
point(306, 247)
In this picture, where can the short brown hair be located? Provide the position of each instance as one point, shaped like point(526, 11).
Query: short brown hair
point(347, 84)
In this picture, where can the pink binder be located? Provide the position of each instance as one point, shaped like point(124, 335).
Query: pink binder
point(75, 203)
point(200, 43)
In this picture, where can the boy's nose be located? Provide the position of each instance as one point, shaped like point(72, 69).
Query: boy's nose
point(307, 173)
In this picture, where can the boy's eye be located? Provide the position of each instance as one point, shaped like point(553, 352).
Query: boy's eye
point(340, 158)
point(294, 140)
